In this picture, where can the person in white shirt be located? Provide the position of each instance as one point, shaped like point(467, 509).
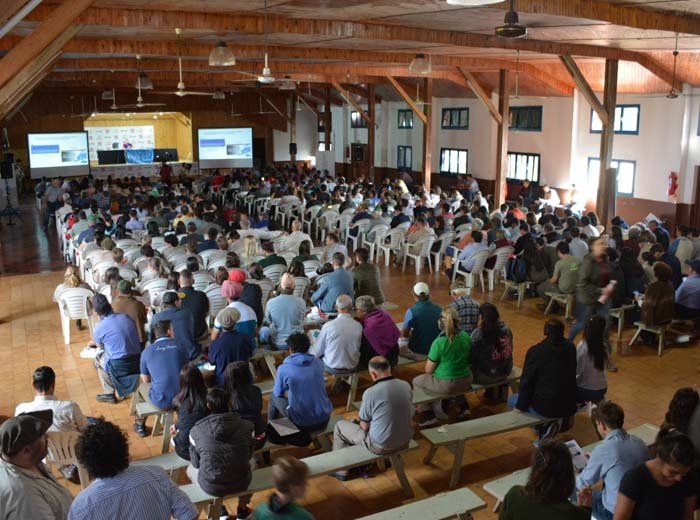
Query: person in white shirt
point(296, 237)
point(67, 416)
point(338, 344)
point(332, 247)
point(588, 229)
point(550, 197)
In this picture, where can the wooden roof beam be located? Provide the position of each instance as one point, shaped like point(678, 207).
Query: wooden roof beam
point(409, 101)
point(355, 89)
point(346, 95)
point(308, 102)
point(585, 88)
point(547, 79)
point(481, 94)
point(274, 107)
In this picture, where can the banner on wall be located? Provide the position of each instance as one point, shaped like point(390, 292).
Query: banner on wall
point(120, 138)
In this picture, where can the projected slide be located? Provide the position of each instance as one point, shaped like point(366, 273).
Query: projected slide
point(225, 147)
point(59, 154)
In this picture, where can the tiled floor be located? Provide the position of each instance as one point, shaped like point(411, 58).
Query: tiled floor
point(30, 336)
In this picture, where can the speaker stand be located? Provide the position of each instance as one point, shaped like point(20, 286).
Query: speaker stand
point(10, 211)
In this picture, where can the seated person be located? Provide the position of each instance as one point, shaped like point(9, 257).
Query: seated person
point(591, 360)
point(609, 461)
point(333, 285)
point(191, 406)
point(549, 486)
point(658, 306)
point(161, 363)
point(196, 302)
point(467, 309)
point(292, 241)
point(181, 321)
point(565, 275)
point(305, 252)
point(420, 323)
point(290, 476)
point(366, 277)
point(688, 294)
point(338, 343)
point(284, 315)
point(333, 246)
point(121, 490)
point(660, 255)
point(380, 336)
point(246, 398)
point(491, 354)
point(465, 256)
point(28, 490)
point(447, 369)
point(300, 389)
point(229, 345)
point(271, 258)
point(221, 446)
point(385, 415)
point(548, 382)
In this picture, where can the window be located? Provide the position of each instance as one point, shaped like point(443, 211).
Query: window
point(455, 118)
point(626, 120)
point(406, 118)
point(322, 146)
point(453, 161)
point(404, 157)
point(525, 119)
point(356, 120)
point(321, 123)
point(625, 176)
point(523, 166)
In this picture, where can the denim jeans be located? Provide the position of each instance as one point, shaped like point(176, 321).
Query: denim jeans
point(583, 312)
point(599, 512)
point(540, 428)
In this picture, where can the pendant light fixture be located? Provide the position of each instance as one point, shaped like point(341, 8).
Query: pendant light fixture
point(673, 93)
point(221, 56)
point(420, 65)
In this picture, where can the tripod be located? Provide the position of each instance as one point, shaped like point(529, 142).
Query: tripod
point(9, 210)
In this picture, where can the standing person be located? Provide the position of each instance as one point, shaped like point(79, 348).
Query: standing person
point(28, 490)
point(660, 487)
point(420, 323)
point(591, 355)
point(609, 461)
point(447, 370)
point(548, 382)
point(191, 406)
point(166, 173)
point(221, 446)
point(491, 355)
point(52, 200)
point(196, 302)
point(121, 490)
point(549, 486)
point(290, 476)
point(367, 277)
point(385, 415)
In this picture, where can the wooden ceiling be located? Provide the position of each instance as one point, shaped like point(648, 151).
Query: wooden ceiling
point(348, 41)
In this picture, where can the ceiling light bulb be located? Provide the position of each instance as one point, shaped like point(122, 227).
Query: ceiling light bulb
point(221, 56)
point(420, 65)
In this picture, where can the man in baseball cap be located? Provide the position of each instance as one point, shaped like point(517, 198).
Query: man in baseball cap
point(27, 488)
point(420, 323)
point(688, 294)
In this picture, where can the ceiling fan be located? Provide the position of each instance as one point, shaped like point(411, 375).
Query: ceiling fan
point(83, 113)
point(181, 90)
point(139, 100)
point(266, 78)
point(418, 100)
point(259, 112)
point(511, 28)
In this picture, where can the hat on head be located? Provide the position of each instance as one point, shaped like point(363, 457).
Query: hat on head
point(23, 429)
point(170, 297)
point(228, 317)
point(237, 276)
point(421, 288)
point(231, 290)
point(694, 265)
point(124, 286)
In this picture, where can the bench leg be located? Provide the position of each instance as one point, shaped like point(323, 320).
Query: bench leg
point(166, 420)
point(569, 305)
point(324, 442)
point(354, 381)
point(457, 466)
point(497, 506)
point(620, 324)
point(636, 335)
point(431, 453)
point(505, 292)
point(549, 306)
point(662, 340)
point(397, 462)
point(464, 516)
point(521, 294)
point(214, 510)
point(270, 362)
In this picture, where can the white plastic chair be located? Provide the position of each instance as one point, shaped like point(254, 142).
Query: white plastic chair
point(477, 269)
point(343, 225)
point(362, 226)
point(309, 217)
point(379, 231)
point(155, 288)
point(216, 302)
point(417, 251)
point(211, 255)
point(393, 241)
point(502, 255)
point(311, 268)
point(126, 243)
point(61, 452)
point(74, 304)
point(301, 285)
point(215, 264)
point(327, 222)
point(158, 243)
point(445, 240)
point(274, 272)
point(201, 280)
point(266, 287)
point(288, 256)
point(128, 274)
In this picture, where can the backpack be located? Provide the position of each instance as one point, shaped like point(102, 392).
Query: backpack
point(516, 270)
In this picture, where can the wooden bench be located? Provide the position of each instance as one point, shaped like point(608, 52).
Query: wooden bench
point(172, 462)
point(319, 465)
point(421, 396)
point(658, 330)
point(619, 314)
point(521, 287)
point(454, 436)
point(460, 503)
point(499, 487)
point(142, 408)
point(565, 299)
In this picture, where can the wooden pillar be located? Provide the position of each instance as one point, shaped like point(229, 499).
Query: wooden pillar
point(607, 180)
point(292, 126)
point(428, 133)
point(328, 120)
point(499, 197)
point(371, 132)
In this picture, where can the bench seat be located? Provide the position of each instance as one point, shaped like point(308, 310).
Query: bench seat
point(458, 503)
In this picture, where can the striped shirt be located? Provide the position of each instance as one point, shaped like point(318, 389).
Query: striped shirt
point(137, 493)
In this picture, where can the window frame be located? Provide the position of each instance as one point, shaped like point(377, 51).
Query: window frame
point(408, 113)
point(405, 148)
point(457, 173)
point(622, 108)
point(535, 179)
point(357, 122)
point(451, 111)
point(618, 161)
point(525, 108)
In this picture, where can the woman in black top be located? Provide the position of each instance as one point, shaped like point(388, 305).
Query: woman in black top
point(246, 398)
point(662, 486)
point(191, 406)
point(491, 355)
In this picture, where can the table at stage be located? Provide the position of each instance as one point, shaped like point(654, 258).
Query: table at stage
point(120, 171)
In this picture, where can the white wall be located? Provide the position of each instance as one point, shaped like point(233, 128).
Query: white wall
point(307, 137)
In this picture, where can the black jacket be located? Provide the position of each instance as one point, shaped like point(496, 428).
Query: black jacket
point(548, 383)
point(198, 304)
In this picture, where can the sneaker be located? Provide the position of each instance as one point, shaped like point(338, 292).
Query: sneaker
point(243, 513)
point(464, 413)
point(427, 419)
point(612, 367)
point(140, 428)
point(550, 431)
point(106, 398)
point(223, 515)
point(439, 410)
point(343, 476)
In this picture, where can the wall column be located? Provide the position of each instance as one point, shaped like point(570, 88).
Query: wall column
point(607, 179)
point(499, 196)
point(428, 134)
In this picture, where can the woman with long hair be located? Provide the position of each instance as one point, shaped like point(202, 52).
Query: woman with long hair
point(632, 271)
point(191, 406)
point(246, 398)
point(548, 488)
point(535, 262)
point(591, 357)
point(250, 249)
point(447, 369)
point(173, 281)
point(616, 241)
point(491, 355)
point(681, 408)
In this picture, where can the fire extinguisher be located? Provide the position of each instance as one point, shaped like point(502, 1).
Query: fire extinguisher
point(347, 152)
point(672, 184)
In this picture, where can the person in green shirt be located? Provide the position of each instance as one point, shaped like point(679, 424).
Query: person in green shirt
point(549, 486)
point(290, 476)
point(447, 369)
